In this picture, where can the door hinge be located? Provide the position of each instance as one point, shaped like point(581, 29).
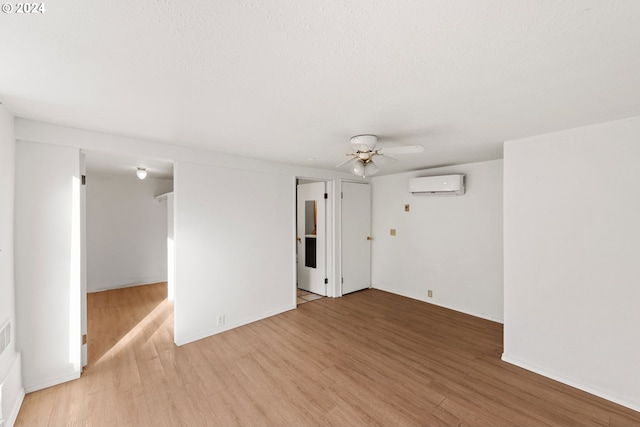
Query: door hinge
point(341, 195)
point(84, 180)
point(326, 196)
point(84, 339)
point(326, 281)
point(342, 280)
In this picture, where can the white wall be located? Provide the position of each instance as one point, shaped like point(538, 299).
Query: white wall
point(234, 248)
point(47, 262)
point(11, 390)
point(126, 231)
point(451, 245)
point(572, 240)
point(7, 175)
point(219, 189)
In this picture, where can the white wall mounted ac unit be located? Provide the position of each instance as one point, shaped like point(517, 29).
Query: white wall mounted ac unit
point(443, 184)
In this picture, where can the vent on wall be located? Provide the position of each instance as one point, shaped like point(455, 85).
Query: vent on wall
point(5, 336)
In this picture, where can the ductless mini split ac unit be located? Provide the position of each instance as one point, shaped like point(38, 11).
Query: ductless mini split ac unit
point(443, 184)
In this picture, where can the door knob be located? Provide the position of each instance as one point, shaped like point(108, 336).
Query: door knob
point(299, 239)
point(369, 238)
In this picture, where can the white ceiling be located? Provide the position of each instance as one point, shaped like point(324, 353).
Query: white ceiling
point(113, 164)
point(291, 81)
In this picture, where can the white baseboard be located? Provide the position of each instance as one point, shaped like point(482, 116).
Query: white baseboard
point(30, 388)
point(213, 331)
point(576, 384)
point(101, 287)
point(430, 301)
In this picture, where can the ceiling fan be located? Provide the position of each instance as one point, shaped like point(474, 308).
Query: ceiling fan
point(362, 162)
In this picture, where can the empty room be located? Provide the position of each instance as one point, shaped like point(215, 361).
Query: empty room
point(319, 213)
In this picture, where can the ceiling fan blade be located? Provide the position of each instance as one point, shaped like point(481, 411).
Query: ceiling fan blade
point(402, 149)
point(383, 160)
point(349, 161)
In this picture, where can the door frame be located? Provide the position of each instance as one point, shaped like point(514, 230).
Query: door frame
point(330, 235)
point(170, 258)
point(334, 232)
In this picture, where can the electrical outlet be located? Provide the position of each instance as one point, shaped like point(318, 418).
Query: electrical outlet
point(392, 231)
point(407, 208)
point(430, 293)
point(221, 320)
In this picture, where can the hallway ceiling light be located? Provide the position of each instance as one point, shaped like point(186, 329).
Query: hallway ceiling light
point(142, 173)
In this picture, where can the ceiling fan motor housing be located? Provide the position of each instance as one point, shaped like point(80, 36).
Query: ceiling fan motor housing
point(364, 142)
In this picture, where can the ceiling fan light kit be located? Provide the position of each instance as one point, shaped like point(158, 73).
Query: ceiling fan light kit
point(141, 173)
point(364, 169)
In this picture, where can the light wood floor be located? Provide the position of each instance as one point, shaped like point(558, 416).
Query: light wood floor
point(370, 358)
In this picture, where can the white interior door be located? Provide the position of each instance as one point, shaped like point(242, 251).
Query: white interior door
point(311, 238)
point(356, 232)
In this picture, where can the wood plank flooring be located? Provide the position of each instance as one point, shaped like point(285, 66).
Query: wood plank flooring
point(369, 358)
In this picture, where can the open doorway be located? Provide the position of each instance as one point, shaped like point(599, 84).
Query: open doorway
point(313, 237)
point(127, 241)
